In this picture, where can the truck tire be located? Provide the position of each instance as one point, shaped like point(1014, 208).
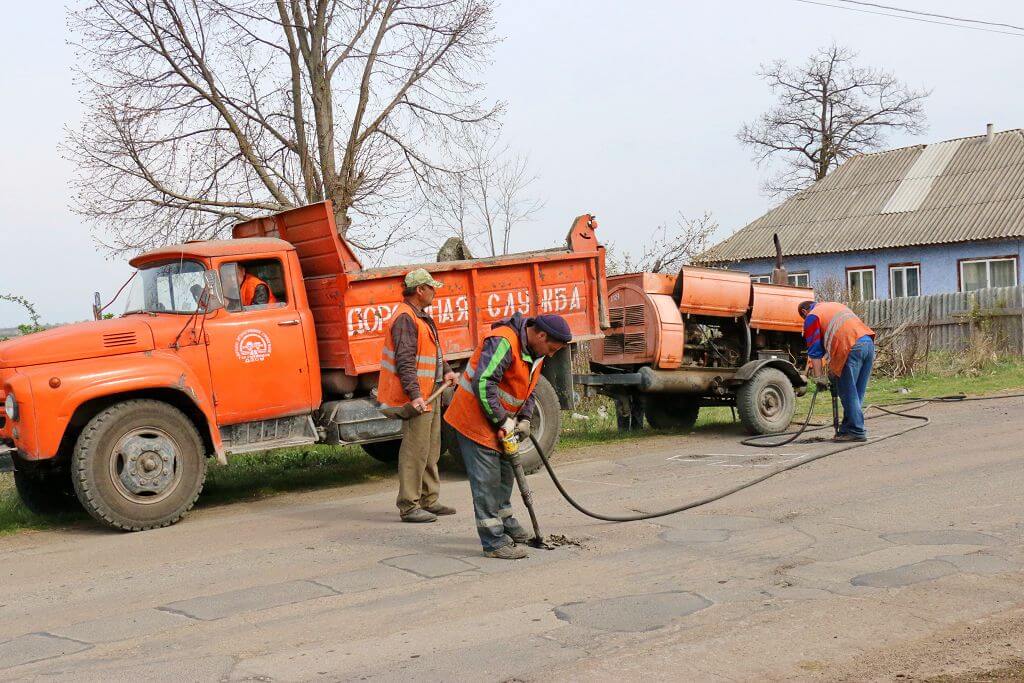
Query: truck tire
point(546, 426)
point(138, 465)
point(671, 412)
point(45, 492)
point(766, 402)
point(384, 451)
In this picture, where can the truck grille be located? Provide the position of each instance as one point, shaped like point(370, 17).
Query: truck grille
point(116, 339)
point(635, 343)
point(614, 344)
point(635, 315)
point(619, 344)
point(629, 315)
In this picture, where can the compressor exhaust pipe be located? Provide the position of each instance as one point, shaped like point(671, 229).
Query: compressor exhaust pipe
point(779, 274)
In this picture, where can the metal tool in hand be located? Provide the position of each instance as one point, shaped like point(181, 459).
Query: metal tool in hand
point(408, 410)
point(510, 451)
point(833, 389)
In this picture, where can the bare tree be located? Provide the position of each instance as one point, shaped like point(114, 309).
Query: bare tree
point(667, 249)
point(484, 203)
point(827, 111)
point(200, 113)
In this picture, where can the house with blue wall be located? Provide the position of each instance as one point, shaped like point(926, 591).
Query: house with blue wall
point(927, 219)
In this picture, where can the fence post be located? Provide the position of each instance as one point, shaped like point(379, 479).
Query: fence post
point(927, 335)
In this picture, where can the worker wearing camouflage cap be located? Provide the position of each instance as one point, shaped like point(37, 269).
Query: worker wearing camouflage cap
point(411, 369)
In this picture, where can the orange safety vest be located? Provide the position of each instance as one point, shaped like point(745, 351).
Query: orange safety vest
point(248, 290)
point(466, 414)
point(389, 387)
point(840, 330)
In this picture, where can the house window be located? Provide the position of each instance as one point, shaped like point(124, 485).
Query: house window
point(905, 280)
point(800, 279)
point(794, 279)
point(990, 272)
point(861, 283)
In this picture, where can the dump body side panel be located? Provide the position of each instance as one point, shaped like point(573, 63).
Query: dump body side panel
point(350, 305)
point(476, 294)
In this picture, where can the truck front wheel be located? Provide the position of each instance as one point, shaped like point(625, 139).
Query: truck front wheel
point(766, 402)
point(138, 465)
point(44, 491)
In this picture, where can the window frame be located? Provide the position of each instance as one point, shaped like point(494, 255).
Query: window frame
point(988, 271)
point(281, 262)
point(874, 280)
point(761, 279)
point(904, 267)
point(805, 273)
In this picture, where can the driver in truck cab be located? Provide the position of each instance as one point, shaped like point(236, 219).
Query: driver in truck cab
point(254, 291)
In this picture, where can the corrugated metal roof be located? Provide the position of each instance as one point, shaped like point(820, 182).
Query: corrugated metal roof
point(954, 191)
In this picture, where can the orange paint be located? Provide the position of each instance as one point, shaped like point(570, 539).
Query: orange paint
point(247, 365)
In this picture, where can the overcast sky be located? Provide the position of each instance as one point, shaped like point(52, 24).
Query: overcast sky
point(626, 109)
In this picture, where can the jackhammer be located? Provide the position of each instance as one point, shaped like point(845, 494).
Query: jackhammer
point(510, 451)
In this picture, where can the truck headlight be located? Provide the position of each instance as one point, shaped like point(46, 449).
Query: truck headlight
point(11, 407)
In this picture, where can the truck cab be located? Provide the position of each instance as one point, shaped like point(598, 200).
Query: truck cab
point(121, 413)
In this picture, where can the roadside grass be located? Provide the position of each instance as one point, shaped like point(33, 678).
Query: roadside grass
point(259, 475)
point(1001, 376)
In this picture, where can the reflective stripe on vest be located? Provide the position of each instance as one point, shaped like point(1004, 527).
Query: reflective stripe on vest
point(389, 387)
point(842, 328)
point(466, 413)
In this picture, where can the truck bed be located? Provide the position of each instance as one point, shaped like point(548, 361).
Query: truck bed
point(351, 304)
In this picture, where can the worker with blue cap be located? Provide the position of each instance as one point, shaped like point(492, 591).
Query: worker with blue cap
point(494, 398)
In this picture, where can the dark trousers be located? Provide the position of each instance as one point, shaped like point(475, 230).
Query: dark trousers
point(852, 385)
point(491, 479)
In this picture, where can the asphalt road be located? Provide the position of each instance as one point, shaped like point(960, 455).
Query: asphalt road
point(898, 558)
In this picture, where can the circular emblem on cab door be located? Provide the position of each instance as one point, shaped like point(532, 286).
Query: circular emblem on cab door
point(253, 346)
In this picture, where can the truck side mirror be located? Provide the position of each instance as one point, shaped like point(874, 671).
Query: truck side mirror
point(97, 305)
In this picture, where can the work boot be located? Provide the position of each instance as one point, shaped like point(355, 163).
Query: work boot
point(419, 515)
point(439, 509)
point(848, 438)
point(519, 535)
point(508, 552)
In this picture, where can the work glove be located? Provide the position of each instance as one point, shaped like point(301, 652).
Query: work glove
point(822, 383)
point(523, 429)
point(506, 428)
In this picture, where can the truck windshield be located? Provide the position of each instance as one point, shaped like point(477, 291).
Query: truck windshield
point(174, 287)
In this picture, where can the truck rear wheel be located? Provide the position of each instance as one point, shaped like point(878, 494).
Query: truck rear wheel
point(671, 412)
point(384, 451)
point(44, 492)
point(138, 465)
point(546, 426)
point(766, 402)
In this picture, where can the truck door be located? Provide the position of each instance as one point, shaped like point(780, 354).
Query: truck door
point(257, 352)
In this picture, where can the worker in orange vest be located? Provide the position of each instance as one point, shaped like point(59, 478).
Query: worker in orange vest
point(411, 369)
point(493, 399)
point(253, 291)
point(833, 331)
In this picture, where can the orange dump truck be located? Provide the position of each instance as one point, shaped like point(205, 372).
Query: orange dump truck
point(121, 415)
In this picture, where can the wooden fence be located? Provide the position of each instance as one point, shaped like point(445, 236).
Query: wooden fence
point(950, 319)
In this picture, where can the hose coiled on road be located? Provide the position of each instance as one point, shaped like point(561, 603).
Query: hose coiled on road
point(921, 421)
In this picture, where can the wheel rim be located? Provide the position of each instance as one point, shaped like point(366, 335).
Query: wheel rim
point(536, 428)
point(771, 402)
point(145, 465)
